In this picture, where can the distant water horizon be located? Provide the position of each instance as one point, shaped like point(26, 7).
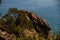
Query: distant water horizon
point(47, 9)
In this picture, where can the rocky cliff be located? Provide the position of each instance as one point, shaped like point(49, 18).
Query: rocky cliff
point(19, 24)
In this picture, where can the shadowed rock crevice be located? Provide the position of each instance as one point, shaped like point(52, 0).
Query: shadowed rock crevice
point(2, 38)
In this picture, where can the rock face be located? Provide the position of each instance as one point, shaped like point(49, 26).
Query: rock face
point(40, 25)
point(4, 35)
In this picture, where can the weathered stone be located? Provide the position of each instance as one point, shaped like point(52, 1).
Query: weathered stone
point(40, 25)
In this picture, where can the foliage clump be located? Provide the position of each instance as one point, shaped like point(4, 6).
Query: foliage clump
point(15, 21)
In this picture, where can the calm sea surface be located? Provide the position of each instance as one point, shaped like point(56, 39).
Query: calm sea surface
point(47, 9)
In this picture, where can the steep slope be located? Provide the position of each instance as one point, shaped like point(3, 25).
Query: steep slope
point(23, 25)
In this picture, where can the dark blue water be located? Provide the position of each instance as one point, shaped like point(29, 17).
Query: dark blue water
point(47, 9)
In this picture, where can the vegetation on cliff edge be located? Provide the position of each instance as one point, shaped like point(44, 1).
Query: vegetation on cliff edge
point(16, 23)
